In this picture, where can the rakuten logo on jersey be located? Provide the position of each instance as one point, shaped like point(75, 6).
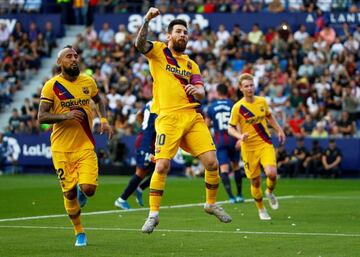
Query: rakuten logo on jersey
point(37, 150)
point(162, 21)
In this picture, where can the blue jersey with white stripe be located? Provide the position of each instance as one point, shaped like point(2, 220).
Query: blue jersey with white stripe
point(146, 139)
point(219, 112)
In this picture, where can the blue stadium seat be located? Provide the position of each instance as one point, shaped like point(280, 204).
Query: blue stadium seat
point(238, 65)
point(283, 65)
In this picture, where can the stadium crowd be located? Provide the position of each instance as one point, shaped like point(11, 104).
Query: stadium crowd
point(311, 80)
point(82, 11)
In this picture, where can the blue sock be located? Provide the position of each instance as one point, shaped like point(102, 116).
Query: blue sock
point(226, 182)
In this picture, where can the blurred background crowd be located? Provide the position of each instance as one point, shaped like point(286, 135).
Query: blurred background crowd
point(310, 80)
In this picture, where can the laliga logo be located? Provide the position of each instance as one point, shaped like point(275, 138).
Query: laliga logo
point(37, 150)
point(161, 21)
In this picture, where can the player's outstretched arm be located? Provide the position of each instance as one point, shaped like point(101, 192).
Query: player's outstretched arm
point(45, 116)
point(273, 122)
point(141, 42)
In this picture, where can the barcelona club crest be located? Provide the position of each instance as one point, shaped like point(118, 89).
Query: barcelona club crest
point(85, 90)
point(262, 109)
point(189, 66)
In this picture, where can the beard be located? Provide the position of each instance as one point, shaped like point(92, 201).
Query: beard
point(72, 71)
point(179, 46)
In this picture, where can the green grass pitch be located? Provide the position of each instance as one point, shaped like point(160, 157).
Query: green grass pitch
point(316, 218)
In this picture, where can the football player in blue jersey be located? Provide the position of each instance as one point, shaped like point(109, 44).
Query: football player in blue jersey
point(144, 145)
point(218, 114)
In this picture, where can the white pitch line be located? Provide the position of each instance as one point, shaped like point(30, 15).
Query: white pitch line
point(196, 231)
point(119, 211)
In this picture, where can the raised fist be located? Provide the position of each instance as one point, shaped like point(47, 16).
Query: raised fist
point(152, 13)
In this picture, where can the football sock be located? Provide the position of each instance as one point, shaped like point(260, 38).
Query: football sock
point(131, 187)
point(72, 208)
point(145, 184)
point(238, 180)
point(256, 193)
point(212, 183)
point(157, 185)
point(270, 184)
point(226, 182)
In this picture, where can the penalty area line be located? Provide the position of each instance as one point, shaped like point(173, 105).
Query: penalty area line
point(237, 232)
point(121, 211)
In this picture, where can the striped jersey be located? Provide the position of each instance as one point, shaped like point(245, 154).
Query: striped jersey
point(64, 95)
point(251, 117)
point(171, 72)
point(219, 112)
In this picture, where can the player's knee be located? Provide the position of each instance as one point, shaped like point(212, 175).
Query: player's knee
point(70, 195)
point(141, 173)
point(162, 167)
point(211, 164)
point(255, 182)
point(271, 173)
point(88, 190)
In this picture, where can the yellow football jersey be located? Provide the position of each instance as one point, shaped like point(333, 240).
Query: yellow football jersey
point(251, 117)
point(71, 135)
point(171, 72)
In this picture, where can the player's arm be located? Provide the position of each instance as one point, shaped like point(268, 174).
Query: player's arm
point(273, 122)
point(141, 42)
point(104, 124)
point(235, 131)
point(45, 116)
point(196, 90)
point(139, 117)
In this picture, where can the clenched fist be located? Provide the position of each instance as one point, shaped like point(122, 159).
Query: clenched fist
point(152, 13)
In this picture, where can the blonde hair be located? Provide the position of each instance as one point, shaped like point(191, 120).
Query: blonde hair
point(245, 76)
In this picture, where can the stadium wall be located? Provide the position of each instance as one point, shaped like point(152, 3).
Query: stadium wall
point(35, 151)
point(245, 20)
point(39, 19)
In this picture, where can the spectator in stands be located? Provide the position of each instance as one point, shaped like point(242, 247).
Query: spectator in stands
point(276, 6)
point(299, 154)
point(307, 126)
point(319, 131)
point(18, 30)
point(346, 126)
point(14, 121)
point(4, 33)
point(313, 163)
point(331, 160)
point(113, 97)
point(106, 35)
point(50, 37)
point(255, 35)
point(357, 33)
point(121, 35)
point(328, 34)
point(248, 6)
point(301, 34)
point(33, 31)
point(286, 167)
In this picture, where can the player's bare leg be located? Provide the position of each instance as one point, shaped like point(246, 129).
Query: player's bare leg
point(212, 184)
point(271, 177)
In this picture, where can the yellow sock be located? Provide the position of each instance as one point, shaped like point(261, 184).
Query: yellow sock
point(212, 184)
point(270, 184)
point(157, 185)
point(257, 195)
point(72, 208)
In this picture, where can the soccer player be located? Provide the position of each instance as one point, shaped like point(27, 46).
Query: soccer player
point(178, 87)
point(248, 124)
point(65, 102)
point(218, 114)
point(144, 144)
